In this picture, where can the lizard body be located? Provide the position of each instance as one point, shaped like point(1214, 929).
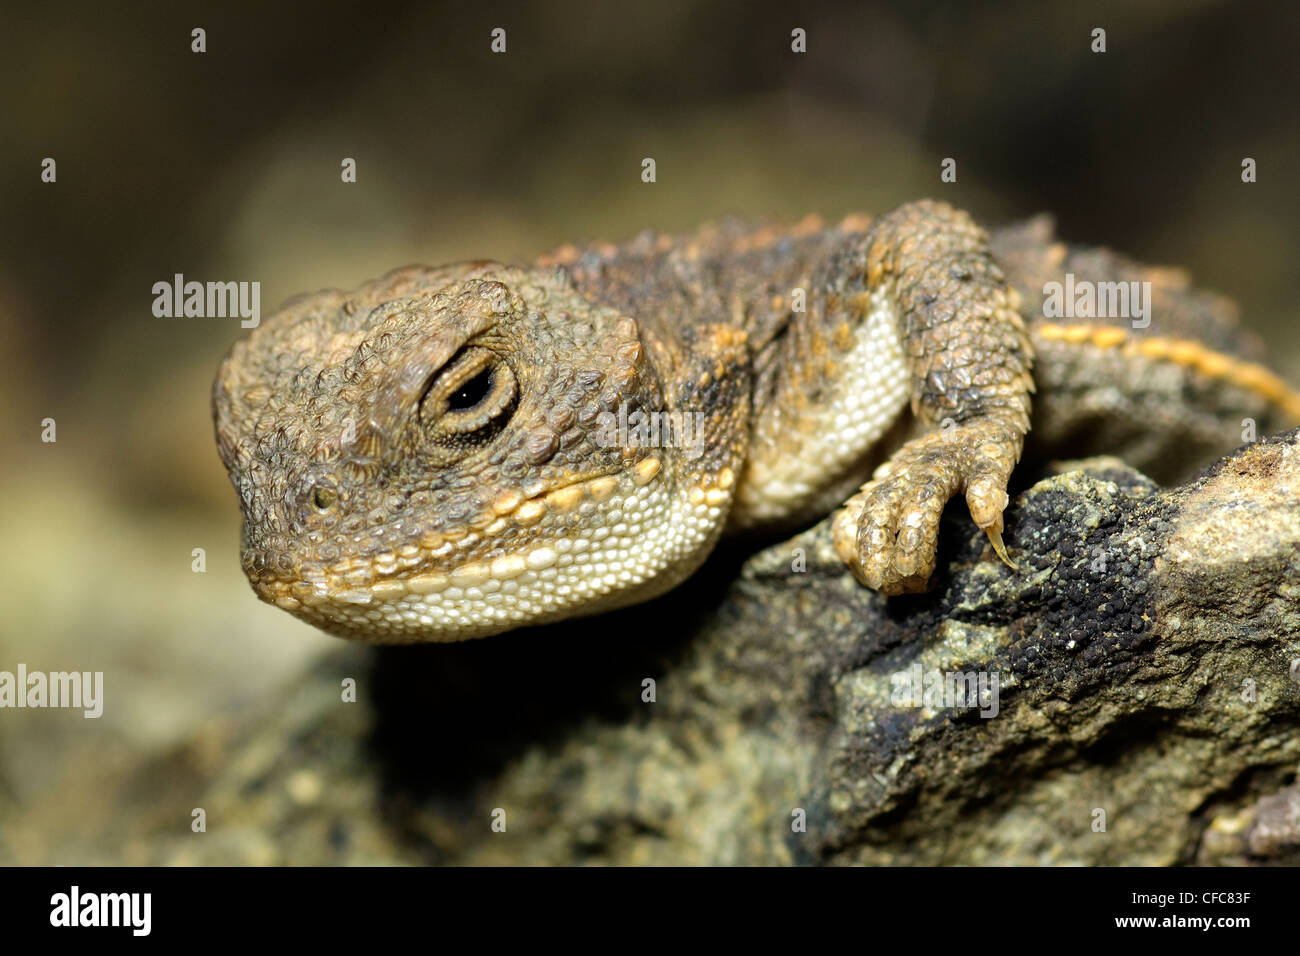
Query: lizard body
point(452, 452)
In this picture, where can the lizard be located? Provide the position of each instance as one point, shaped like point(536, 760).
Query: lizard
point(456, 451)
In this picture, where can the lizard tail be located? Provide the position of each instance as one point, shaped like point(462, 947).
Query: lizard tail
point(1185, 353)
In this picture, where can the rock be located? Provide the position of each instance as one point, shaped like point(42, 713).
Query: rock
point(1139, 706)
point(1267, 832)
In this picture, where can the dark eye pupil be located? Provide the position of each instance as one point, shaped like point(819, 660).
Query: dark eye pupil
point(472, 392)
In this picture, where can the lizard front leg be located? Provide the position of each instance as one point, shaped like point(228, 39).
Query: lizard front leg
point(969, 356)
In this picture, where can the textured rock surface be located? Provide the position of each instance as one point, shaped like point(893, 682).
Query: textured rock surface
point(1143, 652)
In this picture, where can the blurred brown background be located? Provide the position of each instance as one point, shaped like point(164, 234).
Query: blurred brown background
point(225, 165)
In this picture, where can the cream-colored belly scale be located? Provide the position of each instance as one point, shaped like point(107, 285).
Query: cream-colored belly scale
point(819, 471)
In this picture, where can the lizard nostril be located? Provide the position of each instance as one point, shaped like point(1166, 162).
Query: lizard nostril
point(323, 497)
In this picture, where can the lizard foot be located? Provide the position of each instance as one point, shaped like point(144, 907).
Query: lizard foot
point(887, 533)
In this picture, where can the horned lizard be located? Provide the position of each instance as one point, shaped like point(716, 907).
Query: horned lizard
point(452, 452)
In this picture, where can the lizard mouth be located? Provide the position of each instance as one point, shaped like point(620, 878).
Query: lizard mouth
point(444, 562)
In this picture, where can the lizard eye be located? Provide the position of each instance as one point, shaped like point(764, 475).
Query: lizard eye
point(472, 395)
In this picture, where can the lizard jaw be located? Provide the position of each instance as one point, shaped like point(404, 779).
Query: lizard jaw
point(614, 540)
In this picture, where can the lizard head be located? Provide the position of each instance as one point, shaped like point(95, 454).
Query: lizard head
point(436, 456)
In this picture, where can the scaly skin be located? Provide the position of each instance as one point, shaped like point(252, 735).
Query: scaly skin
point(434, 456)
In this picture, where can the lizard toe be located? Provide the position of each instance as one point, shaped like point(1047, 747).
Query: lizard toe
point(887, 533)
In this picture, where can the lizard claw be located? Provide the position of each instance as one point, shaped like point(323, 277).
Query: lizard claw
point(888, 533)
point(986, 497)
point(995, 539)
